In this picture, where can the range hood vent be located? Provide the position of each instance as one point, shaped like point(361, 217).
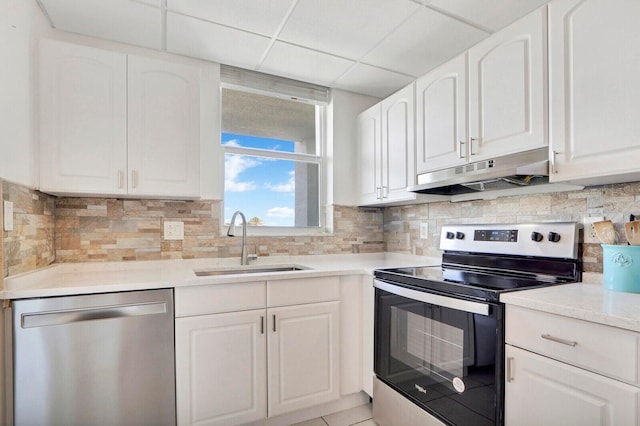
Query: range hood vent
point(501, 173)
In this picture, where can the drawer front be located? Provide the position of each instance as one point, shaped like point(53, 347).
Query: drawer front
point(213, 299)
point(303, 290)
point(599, 348)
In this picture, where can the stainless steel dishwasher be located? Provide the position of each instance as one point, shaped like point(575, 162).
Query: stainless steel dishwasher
point(103, 359)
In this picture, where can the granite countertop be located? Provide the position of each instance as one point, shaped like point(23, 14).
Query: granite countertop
point(588, 301)
point(84, 278)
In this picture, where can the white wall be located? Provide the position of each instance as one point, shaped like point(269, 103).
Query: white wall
point(342, 145)
point(21, 25)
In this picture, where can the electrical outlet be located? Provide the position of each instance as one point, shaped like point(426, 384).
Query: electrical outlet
point(589, 233)
point(424, 230)
point(173, 230)
point(8, 216)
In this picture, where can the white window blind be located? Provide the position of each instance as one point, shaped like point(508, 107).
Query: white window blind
point(274, 85)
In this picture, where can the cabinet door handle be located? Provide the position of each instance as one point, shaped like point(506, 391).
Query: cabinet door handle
point(274, 323)
point(134, 179)
point(262, 324)
point(471, 146)
point(461, 143)
point(560, 340)
point(509, 369)
point(120, 179)
point(378, 193)
point(553, 161)
point(385, 192)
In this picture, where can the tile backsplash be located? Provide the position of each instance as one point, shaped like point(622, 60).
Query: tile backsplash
point(31, 243)
point(615, 202)
point(68, 229)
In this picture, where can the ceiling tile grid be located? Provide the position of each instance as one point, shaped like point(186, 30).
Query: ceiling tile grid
point(373, 47)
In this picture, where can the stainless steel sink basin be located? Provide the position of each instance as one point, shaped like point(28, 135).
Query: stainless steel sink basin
point(247, 270)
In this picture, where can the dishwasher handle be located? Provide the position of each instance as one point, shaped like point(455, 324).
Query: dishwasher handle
point(43, 319)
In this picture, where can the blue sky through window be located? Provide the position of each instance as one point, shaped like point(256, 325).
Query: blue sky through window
point(262, 187)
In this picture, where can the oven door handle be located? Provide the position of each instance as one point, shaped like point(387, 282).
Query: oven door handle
point(434, 299)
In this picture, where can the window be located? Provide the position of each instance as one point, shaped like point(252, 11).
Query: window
point(273, 148)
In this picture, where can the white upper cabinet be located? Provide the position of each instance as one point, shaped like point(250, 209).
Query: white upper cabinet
point(83, 119)
point(164, 128)
point(595, 89)
point(488, 102)
point(369, 156)
point(386, 151)
point(398, 170)
point(441, 111)
point(117, 124)
point(507, 89)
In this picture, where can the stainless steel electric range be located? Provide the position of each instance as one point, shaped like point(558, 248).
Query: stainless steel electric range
point(439, 330)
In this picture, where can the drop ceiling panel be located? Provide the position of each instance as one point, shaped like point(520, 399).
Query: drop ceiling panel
point(492, 14)
point(372, 81)
point(259, 16)
point(304, 64)
point(206, 40)
point(424, 41)
point(119, 20)
point(344, 28)
point(155, 3)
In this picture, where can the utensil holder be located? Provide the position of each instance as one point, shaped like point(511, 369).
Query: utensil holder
point(621, 268)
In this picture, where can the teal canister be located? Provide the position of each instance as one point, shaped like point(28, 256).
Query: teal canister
point(621, 268)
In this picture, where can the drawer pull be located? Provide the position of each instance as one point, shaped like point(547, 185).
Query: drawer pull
point(571, 343)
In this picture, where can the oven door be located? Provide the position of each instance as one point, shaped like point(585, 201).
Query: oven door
point(443, 353)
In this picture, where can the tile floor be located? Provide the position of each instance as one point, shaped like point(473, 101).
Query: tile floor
point(360, 416)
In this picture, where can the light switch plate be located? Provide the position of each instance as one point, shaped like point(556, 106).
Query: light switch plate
point(8, 216)
point(173, 230)
point(424, 230)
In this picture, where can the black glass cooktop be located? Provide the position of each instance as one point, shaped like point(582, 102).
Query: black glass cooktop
point(479, 284)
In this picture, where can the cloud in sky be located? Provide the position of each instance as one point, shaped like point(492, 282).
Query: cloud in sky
point(290, 186)
point(282, 212)
point(234, 165)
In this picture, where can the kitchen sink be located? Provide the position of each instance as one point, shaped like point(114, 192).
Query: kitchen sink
point(247, 270)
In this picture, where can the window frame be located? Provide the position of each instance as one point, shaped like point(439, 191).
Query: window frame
point(319, 159)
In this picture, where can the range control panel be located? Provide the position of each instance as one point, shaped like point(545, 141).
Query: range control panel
point(548, 239)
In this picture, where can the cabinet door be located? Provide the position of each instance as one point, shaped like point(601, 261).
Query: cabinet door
point(595, 90)
point(83, 119)
point(369, 156)
point(507, 89)
point(542, 391)
point(441, 111)
point(398, 169)
point(220, 368)
point(303, 356)
point(164, 128)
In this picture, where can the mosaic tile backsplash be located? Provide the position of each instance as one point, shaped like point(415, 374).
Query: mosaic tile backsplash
point(30, 245)
point(615, 202)
point(65, 229)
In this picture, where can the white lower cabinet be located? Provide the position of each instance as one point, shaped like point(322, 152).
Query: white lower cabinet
point(221, 387)
point(303, 356)
point(565, 371)
point(279, 352)
point(543, 391)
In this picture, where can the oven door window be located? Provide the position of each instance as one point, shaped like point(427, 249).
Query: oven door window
point(443, 359)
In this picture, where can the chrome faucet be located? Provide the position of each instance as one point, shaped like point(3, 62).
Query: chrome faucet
point(231, 232)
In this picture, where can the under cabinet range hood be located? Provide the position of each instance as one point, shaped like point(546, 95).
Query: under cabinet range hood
point(507, 172)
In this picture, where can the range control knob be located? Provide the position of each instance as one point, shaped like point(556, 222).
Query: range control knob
point(536, 236)
point(554, 237)
point(459, 235)
point(450, 236)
